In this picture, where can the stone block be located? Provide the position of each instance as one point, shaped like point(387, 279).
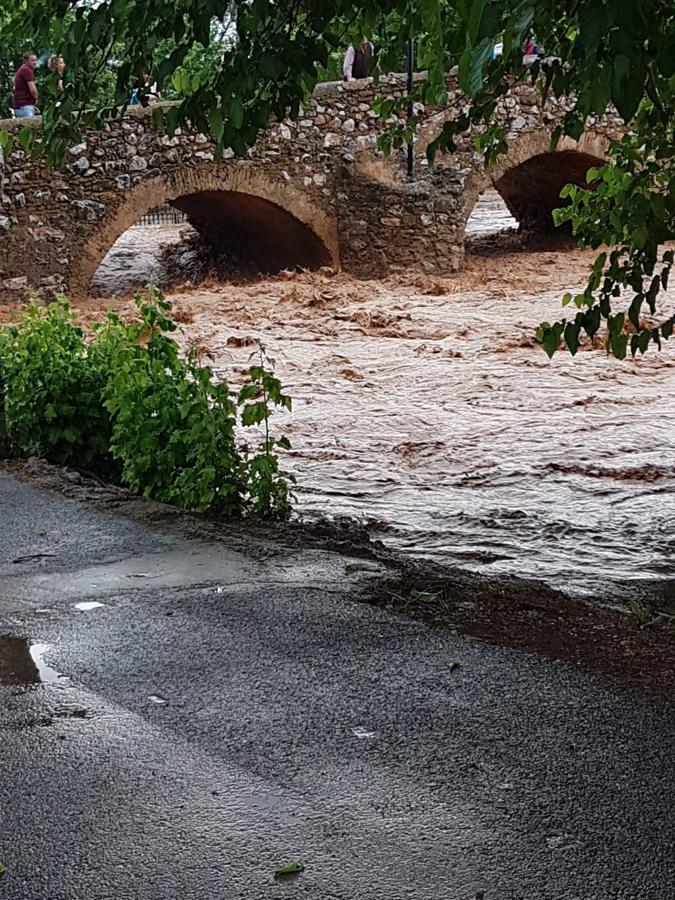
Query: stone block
point(44, 234)
point(87, 210)
point(16, 284)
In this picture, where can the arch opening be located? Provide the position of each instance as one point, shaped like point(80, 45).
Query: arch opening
point(200, 224)
point(489, 217)
point(257, 232)
point(531, 190)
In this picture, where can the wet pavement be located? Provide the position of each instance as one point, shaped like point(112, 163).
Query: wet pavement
point(244, 710)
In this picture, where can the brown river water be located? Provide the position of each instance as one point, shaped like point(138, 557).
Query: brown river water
point(424, 408)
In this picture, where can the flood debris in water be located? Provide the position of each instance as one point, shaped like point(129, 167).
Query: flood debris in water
point(22, 662)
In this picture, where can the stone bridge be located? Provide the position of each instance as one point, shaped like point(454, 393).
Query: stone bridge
point(314, 191)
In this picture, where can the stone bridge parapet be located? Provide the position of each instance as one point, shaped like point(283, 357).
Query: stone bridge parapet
point(313, 191)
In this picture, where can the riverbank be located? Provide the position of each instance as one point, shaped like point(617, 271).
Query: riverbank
point(631, 644)
point(424, 409)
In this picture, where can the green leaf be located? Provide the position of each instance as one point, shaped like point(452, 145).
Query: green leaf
point(471, 65)
point(665, 60)
point(293, 868)
point(216, 124)
point(550, 338)
point(628, 90)
point(5, 141)
point(236, 112)
point(474, 20)
point(180, 81)
point(254, 413)
point(644, 337)
point(658, 205)
point(157, 116)
point(618, 345)
point(592, 24)
point(572, 337)
point(248, 392)
point(26, 138)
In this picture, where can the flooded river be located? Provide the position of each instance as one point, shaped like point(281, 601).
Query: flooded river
point(423, 407)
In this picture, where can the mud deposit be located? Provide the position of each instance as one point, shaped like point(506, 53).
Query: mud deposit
point(424, 408)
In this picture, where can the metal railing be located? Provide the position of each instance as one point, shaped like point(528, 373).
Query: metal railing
point(163, 215)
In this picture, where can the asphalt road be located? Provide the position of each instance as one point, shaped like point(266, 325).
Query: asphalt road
point(224, 713)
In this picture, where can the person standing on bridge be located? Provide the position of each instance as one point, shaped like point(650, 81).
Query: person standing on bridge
point(57, 66)
point(149, 91)
point(25, 97)
point(357, 62)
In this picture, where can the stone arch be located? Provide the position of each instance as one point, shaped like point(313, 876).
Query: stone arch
point(530, 176)
point(276, 218)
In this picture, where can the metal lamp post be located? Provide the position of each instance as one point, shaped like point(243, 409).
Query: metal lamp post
point(411, 63)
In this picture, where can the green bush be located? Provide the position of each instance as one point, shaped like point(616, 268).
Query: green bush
point(52, 392)
point(127, 406)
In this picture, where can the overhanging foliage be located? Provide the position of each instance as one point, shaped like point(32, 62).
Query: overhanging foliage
point(600, 52)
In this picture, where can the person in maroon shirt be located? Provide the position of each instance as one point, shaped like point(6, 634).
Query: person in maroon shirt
point(25, 96)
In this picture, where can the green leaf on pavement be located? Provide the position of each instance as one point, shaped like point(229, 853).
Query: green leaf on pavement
point(293, 868)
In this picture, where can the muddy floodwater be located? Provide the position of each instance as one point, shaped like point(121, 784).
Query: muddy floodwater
point(423, 407)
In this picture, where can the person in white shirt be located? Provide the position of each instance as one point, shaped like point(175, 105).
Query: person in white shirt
point(357, 62)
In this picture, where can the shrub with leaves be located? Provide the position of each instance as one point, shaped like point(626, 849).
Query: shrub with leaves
point(52, 391)
point(268, 485)
point(172, 425)
point(129, 407)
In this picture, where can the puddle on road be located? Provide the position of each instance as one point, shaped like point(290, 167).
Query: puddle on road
point(159, 700)
point(21, 662)
point(363, 733)
point(187, 563)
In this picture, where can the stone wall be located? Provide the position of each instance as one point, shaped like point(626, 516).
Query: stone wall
point(315, 190)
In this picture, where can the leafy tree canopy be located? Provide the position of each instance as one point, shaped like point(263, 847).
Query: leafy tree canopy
point(261, 57)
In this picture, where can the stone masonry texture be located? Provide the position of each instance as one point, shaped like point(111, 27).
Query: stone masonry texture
point(313, 191)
